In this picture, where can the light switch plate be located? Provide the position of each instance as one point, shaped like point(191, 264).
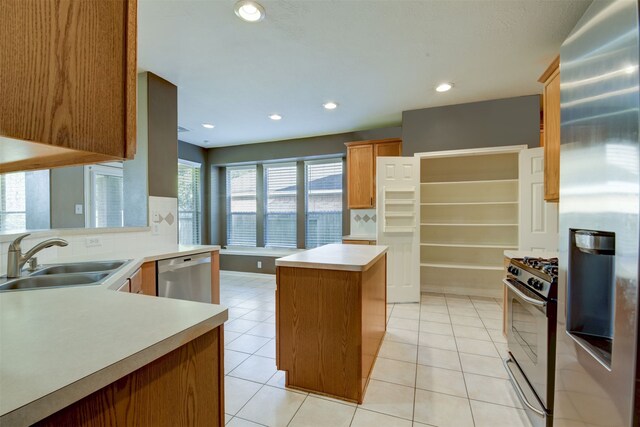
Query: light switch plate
point(79, 209)
point(259, 264)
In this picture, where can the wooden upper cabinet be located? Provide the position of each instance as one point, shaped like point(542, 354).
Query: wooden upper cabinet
point(68, 82)
point(551, 126)
point(361, 169)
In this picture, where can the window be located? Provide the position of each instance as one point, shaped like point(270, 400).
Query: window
point(24, 201)
point(323, 190)
point(280, 206)
point(189, 203)
point(104, 196)
point(241, 206)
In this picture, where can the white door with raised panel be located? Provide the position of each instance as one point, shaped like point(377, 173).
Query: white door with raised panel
point(398, 212)
point(538, 230)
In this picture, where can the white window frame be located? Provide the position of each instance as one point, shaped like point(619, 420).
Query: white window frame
point(199, 213)
point(113, 169)
point(306, 190)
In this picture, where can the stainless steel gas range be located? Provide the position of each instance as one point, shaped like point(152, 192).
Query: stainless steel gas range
point(531, 309)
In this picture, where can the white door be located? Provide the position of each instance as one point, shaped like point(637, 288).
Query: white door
point(398, 211)
point(538, 229)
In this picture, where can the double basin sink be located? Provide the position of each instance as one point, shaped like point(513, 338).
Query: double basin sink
point(62, 275)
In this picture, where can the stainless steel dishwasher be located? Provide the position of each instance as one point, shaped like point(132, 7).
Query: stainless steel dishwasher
point(187, 277)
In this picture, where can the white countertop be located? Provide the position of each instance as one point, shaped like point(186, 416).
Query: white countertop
point(359, 237)
point(522, 254)
point(335, 257)
point(59, 345)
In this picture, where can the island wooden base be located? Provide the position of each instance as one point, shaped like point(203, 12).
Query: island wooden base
point(182, 388)
point(329, 327)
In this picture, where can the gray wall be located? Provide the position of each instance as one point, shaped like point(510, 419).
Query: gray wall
point(162, 109)
point(248, 263)
point(196, 154)
point(509, 121)
point(67, 190)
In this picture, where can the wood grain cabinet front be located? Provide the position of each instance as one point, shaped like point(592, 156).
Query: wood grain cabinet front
point(361, 169)
point(551, 126)
point(68, 85)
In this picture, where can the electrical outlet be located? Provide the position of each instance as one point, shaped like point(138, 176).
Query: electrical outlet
point(92, 242)
point(259, 264)
point(78, 209)
point(155, 229)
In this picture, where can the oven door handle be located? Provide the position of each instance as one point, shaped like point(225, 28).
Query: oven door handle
point(527, 299)
point(519, 390)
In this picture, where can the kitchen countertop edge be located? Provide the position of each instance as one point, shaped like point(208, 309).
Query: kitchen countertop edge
point(298, 261)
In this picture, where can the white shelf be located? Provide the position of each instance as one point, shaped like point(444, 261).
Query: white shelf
point(468, 203)
point(399, 214)
point(400, 202)
point(460, 245)
point(437, 224)
point(462, 266)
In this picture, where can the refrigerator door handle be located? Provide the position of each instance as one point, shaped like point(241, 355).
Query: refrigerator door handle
point(519, 390)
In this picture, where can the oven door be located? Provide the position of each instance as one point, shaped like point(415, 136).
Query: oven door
point(527, 335)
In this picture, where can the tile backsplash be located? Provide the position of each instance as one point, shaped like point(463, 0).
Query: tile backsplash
point(363, 222)
point(84, 243)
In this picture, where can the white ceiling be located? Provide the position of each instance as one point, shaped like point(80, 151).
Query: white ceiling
point(375, 58)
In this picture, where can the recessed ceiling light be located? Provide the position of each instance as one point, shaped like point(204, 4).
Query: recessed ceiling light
point(443, 87)
point(208, 125)
point(275, 117)
point(249, 11)
point(330, 105)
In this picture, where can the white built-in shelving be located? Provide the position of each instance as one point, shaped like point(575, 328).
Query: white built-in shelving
point(468, 217)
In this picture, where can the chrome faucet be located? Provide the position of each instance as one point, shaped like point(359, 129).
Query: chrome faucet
point(17, 259)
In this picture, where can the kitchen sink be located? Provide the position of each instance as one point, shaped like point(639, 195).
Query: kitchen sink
point(62, 275)
point(79, 267)
point(51, 281)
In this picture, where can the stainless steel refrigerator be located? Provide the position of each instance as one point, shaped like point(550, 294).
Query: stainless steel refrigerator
point(597, 330)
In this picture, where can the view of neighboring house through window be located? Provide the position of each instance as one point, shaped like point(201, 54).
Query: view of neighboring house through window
point(189, 203)
point(280, 205)
point(24, 201)
point(323, 191)
point(104, 196)
point(241, 206)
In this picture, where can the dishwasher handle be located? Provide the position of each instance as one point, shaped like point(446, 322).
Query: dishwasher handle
point(182, 262)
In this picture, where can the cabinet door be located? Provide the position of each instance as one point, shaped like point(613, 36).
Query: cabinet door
point(148, 270)
point(384, 149)
point(360, 176)
point(136, 282)
point(552, 138)
point(68, 82)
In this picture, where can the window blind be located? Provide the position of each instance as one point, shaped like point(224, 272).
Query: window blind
point(280, 206)
point(241, 206)
point(323, 192)
point(189, 203)
point(13, 215)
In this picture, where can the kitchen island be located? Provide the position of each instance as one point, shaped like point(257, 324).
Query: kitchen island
point(88, 355)
point(331, 306)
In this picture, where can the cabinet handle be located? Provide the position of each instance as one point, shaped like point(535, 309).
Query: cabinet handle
point(371, 201)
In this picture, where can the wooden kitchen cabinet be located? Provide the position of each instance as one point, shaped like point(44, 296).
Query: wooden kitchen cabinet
point(68, 84)
point(361, 169)
point(551, 130)
point(148, 273)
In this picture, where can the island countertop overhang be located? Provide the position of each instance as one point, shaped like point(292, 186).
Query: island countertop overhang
point(335, 257)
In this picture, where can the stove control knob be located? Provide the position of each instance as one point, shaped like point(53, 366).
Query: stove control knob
point(530, 281)
point(538, 285)
point(513, 270)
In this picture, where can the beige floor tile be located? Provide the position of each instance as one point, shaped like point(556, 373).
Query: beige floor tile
point(471, 332)
point(255, 368)
point(503, 349)
point(236, 312)
point(258, 315)
point(272, 406)
point(390, 399)
point(394, 371)
point(230, 336)
point(408, 324)
point(267, 350)
point(232, 359)
point(497, 336)
point(466, 321)
point(247, 343)
point(227, 418)
point(240, 325)
point(463, 311)
point(438, 358)
point(316, 412)
point(490, 415)
point(401, 335)
point(398, 351)
point(492, 323)
point(237, 393)
point(277, 380)
point(472, 346)
point(490, 314)
point(364, 418)
point(435, 317)
point(441, 380)
point(434, 308)
point(239, 422)
point(483, 365)
point(436, 328)
point(264, 329)
point(442, 410)
point(445, 342)
point(492, 390)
